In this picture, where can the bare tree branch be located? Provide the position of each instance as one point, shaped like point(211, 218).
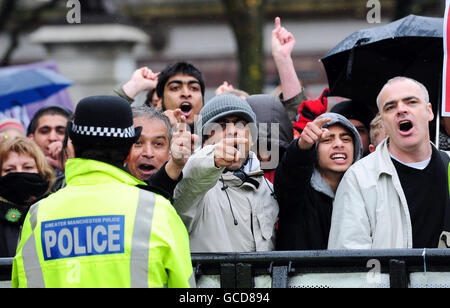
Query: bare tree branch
point(7, 7)
point(21, 24)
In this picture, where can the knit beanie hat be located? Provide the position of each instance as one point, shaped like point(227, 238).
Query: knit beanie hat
point(225, 105)
point(105, 120)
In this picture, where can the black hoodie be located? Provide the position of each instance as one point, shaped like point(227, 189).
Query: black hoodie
point(304, 197)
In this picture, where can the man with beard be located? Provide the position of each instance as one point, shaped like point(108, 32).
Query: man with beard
point(223, 199)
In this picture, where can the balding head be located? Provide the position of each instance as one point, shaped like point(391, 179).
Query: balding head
point(425, 96)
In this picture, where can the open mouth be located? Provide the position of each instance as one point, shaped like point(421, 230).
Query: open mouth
point(405, 126)
point(339, 157)
point(146, 168)
point(186, 108)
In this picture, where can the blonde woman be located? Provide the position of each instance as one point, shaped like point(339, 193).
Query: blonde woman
point(25, 177)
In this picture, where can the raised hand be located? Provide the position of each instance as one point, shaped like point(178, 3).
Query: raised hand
point(143, 79)
point(183, 143)
point(313, 132)
point(227, 151)
point(283, 43)
point(174, 116)
point(224, 87)
point(181, 148)
point(282, 40)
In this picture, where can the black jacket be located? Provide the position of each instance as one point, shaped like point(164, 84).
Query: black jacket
point(10, 227)
point(18, 191)
point(304, 197)
point(305, 201)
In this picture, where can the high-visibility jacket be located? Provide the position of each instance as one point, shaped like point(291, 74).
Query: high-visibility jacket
point(102, 231)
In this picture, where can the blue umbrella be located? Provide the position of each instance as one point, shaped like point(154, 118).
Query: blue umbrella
point(21, 86)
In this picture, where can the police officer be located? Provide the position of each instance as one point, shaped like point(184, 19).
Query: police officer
point(102, 230)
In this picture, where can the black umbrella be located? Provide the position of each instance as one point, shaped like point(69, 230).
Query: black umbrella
point(361, 64)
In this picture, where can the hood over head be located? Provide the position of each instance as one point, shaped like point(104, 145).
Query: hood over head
point(337, 119)
point(269, 109)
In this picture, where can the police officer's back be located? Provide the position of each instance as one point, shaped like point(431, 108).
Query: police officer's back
point(101, 230)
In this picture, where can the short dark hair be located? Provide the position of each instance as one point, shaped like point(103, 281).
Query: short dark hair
point(48, 110)
point(111, 154)
point(149, 97)
point(177, 68)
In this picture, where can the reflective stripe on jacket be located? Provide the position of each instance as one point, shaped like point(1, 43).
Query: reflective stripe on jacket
point(102, 231)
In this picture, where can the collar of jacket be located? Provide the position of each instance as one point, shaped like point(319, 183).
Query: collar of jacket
point(320, 185)
point(80, 171)
point(252, 169)
point(384, 160)
point(232, 180)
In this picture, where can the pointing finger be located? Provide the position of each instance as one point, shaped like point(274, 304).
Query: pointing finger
point(277, 23)
point(320, 122)
point(325, 133)
point(181, 125)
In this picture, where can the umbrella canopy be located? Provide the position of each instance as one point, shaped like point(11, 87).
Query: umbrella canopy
point(21, 86)
point(359, 66)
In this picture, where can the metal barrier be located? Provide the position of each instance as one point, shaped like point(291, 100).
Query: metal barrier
point(399, 268)
point(5, 272)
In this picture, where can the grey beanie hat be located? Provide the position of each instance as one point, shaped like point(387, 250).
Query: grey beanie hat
point(337, 119)
point(224, 105)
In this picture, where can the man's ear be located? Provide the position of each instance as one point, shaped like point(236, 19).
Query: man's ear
point(431, 115)
point(31, 136)
point(127, 160)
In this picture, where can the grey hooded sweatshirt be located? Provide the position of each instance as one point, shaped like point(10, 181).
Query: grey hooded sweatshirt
point(304, 197)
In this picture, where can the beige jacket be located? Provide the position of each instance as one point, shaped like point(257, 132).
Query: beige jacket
point(370, 209)
point(209, 216)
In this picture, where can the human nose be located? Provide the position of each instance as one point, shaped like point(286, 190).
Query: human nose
point(231, 130)
point(185, 92)
point(53, 136)
point(147, 151)
point(338, 143)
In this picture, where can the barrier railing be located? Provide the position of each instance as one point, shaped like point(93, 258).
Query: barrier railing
point(399, 268)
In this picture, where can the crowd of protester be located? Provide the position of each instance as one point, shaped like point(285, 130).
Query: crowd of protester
point(247, 172)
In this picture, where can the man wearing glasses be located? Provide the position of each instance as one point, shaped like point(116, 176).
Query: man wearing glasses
point(223, 199)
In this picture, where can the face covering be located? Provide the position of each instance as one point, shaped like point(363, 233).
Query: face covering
point(22, 188)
